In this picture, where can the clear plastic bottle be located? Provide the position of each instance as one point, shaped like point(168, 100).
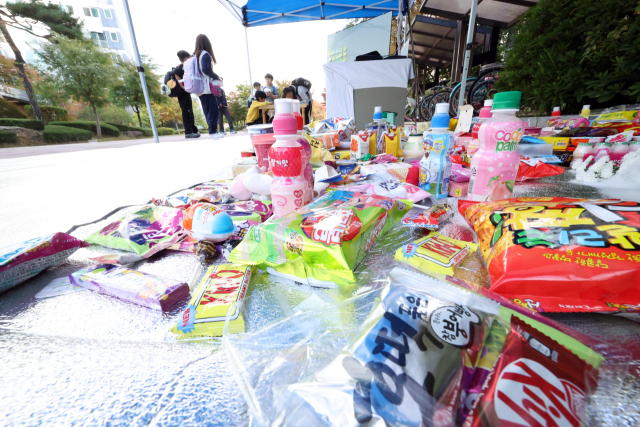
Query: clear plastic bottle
point(495, 165)
point(435, 168)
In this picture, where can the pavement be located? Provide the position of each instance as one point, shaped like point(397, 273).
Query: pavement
point(54, 187)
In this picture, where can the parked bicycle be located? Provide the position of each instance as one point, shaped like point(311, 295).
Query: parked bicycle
point(484, 87)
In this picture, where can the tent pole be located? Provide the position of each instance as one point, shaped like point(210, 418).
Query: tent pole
point(143, 81)
point(467, 53)
point(399, 28)
point(246, 39)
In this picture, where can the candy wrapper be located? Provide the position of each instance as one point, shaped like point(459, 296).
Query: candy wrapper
point(221, 292)
point(186, 198)
point(321, 243)
point(539, 169)
point(144, 232)
point(132, 286)
point(405, 366)
point(459, 173)
point(435, 253)
point(252, 210)
point(432, 218)
point(564, 255)
point(392, 189)
point(535, 381)
point(387, 171)
point(24, 260)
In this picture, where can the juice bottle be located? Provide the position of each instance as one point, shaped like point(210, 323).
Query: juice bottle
point(586, 111)
point(435, 168)
point(289, 189)
point(495, 165)
point(618, 151)
point(582, 151)
point(485, 113)
point(634, 145)
point(284, 122)
point(602, 149)
point(296, 113)
point(556, 112)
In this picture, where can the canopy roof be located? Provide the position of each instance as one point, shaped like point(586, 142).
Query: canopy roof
point(493, 13)
point(253, 13)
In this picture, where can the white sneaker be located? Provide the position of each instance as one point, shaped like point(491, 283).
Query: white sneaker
point(215, 136)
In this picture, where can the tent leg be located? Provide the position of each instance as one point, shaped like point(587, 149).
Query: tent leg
point(467, 52)
point(246, 39)
point(143, 81)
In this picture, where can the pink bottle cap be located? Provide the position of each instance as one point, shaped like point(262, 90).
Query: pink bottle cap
point(284, 122)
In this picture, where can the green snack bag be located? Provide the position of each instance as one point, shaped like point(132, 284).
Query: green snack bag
point(144, 232)
point(321, 243)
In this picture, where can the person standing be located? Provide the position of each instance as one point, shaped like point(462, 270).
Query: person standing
point(204, 54)
point(184, 98)
point(303, 89)
point(223, 112)
point(270, 89)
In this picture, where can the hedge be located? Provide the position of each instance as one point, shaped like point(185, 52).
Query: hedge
point(50, 113)
point(166, 131)
point(9, 110)
point(7, 137)
point(125, 128)
point(107, 130)
point(55, 134)
point(23, 123)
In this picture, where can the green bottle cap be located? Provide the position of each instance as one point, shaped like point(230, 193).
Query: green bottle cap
point(506, 101)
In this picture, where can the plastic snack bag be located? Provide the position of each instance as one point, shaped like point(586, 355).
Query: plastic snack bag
point(405, 366)
point(319, 153)
point(392, 189)
point(222, 289)
point(535, 381)
point(24, 260)
point(252, 210)
point(132, 286)
point(431, 219)
point(564, 255)
point(321, 243)
point(435, 253)
point(387, 171)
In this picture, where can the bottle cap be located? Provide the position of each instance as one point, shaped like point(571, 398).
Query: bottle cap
point(488, 102)
point(507, 101)
point(440, 119)
point(586, 107)
point(377, 113)
point(556, 108)
point(296, 105)
point(442, 108)
point(283, 106)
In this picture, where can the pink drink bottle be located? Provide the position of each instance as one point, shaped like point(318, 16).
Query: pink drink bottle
point(618, 151)
point(485, 113)
point(495, 165)
point(602, 149)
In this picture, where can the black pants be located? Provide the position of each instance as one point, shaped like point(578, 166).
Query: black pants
point(222, 113)
point(258, 121)
point(188, 120)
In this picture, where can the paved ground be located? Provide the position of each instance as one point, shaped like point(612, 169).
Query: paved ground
point(51, 188)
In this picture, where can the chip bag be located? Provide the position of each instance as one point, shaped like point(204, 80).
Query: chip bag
point(252, 210)
point(222, 290)
point(144, 232)
point(319, 153)
point(563, 255)
point(405, 366)
point(535, 381)
point(435, 253)
point(323, 242)
point(392, 189)
point(24, 260)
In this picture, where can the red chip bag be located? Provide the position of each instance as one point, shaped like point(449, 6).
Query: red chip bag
point(540, 170)
point(561, 255)
point(535, 382)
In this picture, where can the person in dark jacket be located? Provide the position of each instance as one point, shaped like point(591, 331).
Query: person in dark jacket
point(184, 99)
point(206, 59)
point(223, 111)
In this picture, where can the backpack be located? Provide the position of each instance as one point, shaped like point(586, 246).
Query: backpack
point(174, 91)
point(301, 82)
point(193, 82)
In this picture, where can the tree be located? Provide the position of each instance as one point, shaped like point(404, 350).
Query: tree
point(83, 70)
point(110, 114)
point(35, 17)
point(573, 52)
point(128, 89)
point(242, 92)
point(281, 84)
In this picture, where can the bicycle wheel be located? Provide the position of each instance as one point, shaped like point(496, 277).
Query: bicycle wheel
point(482, 91)
point(455, 95)
point(423, 110)
point(488, 73)
point(438, 98)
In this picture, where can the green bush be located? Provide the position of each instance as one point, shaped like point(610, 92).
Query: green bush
point(51, 114)
point(166, 131)
point(23, 123)
point(107, 130)
point(125, 128)
point(55, 134)
point(7, 137)
point(9, 110)
point(573, 52)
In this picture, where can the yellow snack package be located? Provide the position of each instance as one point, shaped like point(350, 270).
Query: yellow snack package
point(319, 152)
point(392, 142)
point(435, 253)
point(222, 289)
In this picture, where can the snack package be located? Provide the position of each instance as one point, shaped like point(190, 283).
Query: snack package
point(392, 189)
point(430, 219)
point(458, 189)
point(564, 255)
point(405, 366)
point(186, 198)
point(132, 286)
point(574, 122)
point(539, 169)
point(321, 243)
point(386, 171)
point(435, 253)
point(319, 153)
point(348, 125)
point(252, 210)
point(535, 381)
point(24, 260)
point(222, 290)
point(333, 138)
point(391, 142)
point(459, 173)
point(317, 127)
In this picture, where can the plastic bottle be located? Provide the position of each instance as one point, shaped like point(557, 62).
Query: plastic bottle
point(586, 111)
point(377, 114)
point(602, 149)
point(306, 161)
point(284, 122)
point(618, 151)
point(296, 113)
point(556, 112)
point(435, 169)
point(485, 113)
point(289, 189)
point(495, 165)
point(582, 151)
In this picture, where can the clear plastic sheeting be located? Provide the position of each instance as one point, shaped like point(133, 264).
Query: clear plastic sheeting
point(89, 359)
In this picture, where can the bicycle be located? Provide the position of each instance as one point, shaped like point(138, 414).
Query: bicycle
point(426, 108)
point(484, 86)
point(455, 95)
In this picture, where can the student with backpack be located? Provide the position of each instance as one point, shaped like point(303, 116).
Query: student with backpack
point(224, 112)
point(210, 83)
point(174, 79)
point(303, 89)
